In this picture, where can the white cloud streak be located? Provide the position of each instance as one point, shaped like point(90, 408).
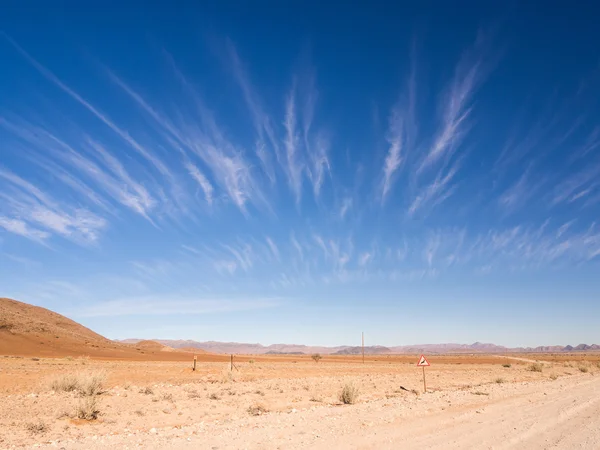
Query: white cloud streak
point(157, 163)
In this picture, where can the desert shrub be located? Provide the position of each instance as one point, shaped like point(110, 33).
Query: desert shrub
point(257, 409)
point(499, 380)
point(536, 367)
point(349, 394)
point(146, 391)
point(480, 393)
point(251, 361)
point(214, 396)
point(193, 394)
point(38, 427)
point(87, 409)
point(259, 392)
point(583, 369)
point(64, 383)
point(86, 384)
point(553, 376)
point(316, 357)
point(167, 397)
point(91, 383)
point(506, 365)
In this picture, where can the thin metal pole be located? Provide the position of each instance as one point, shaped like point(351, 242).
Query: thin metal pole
point(424, 383)
point(363, 346)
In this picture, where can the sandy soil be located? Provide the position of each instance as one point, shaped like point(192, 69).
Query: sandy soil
point(471, 402)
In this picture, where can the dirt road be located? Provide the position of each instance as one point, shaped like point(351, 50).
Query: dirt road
point(560, 414)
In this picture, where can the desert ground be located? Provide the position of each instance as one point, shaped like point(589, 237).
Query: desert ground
point(64, 386)
point(481, 401)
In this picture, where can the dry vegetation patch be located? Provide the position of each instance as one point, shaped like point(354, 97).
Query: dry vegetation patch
point(85, 383)
point(349, 394)
point(536, 367)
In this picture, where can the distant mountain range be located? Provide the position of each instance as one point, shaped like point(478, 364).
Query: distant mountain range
point(289, 349)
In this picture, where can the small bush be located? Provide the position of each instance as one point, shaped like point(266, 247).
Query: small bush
point(64, 383)
point(38, 427)
point(86, 384)
point(316, 357)
point(553, 377)
point(259, 392)
point(214, 396)
point(499, 380)
point(146, 391)
point(536, 367)
point(167, 397)
point(257, 409)
point(349, 394)
point(87, 409)
point(583, 369)
point(508, 366)
point(91, 383)
point(480, 393)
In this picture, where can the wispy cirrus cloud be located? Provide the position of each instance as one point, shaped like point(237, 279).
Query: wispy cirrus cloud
point(402, 129)
point(293, 163)
point(207, 188)
point(176, 304)
point(35, 215)
point(156, 162)
point(456, 107)
point(435, 193)
point(21, 228)
point(262, 122)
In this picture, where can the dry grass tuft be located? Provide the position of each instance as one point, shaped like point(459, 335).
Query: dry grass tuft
point(349, 394)
point(257, 409)
point(583, 369)
point(87, 409)
point(86, 383)
point(480, 393)
point(553, 377)
point(147, 391)
point(500, 380)
point(508, 366)
point(536, 367)
point(214, 396)
point(38, 427)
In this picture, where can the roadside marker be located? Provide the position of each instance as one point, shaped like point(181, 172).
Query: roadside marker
point(423, 363)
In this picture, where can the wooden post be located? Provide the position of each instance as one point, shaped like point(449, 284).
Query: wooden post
point(231, 368)
point(363, 346)
point(424, 383)
point(194, 368)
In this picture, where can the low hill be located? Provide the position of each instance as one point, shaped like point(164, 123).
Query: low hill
point(27, 330)
point(371, 350)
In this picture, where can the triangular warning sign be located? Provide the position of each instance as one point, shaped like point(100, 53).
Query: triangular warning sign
point(423, 361)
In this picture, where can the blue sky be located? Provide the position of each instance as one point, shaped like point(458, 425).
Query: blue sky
point(302, 173)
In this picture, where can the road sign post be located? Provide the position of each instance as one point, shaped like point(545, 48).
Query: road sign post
point(423, 363)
